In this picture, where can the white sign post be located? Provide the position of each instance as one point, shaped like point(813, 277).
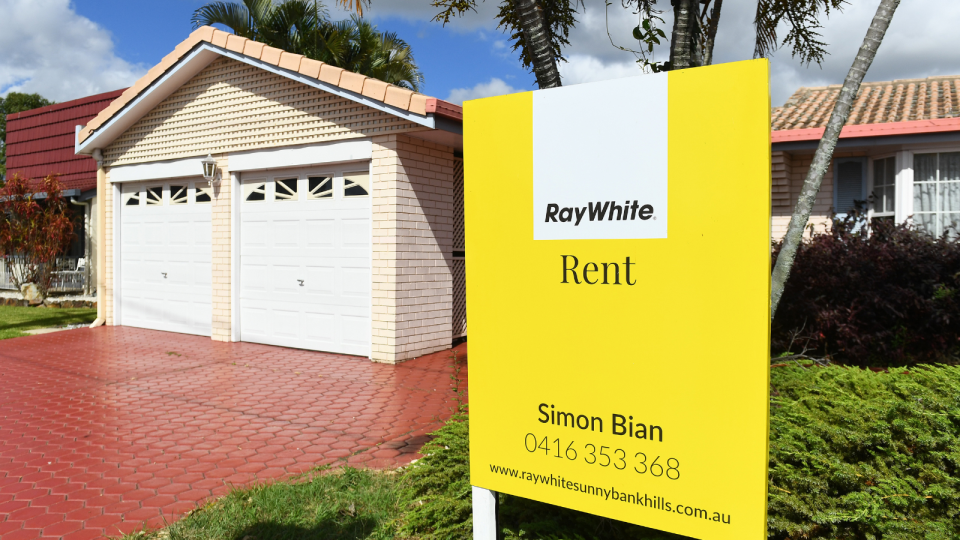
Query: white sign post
point(485, 503)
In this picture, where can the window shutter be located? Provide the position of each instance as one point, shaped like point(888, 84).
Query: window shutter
point(849, 185)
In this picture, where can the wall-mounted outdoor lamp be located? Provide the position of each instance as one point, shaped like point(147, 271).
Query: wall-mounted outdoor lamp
point(210, 173)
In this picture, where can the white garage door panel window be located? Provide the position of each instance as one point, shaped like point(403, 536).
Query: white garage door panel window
point(165, 280)
point(305, 260)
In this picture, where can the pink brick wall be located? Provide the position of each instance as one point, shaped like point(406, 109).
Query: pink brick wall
point(412, 244)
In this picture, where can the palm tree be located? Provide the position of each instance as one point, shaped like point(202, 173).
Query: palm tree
point(824, 154)
point(537, 39)
point(303, 27)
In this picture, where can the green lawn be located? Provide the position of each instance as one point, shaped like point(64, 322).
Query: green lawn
point(348, 505)
point(14, 320)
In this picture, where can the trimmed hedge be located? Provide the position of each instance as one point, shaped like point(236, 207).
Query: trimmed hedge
point(854, 454)
point(888, 298)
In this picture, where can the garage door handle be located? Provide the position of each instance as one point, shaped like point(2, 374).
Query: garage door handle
point(301, 282)
point(164, 275)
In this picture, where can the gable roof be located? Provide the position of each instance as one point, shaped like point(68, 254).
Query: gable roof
point(207, 43)
point(899, 107)
point(41, 141)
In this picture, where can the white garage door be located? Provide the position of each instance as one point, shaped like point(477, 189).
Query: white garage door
point(165, 273)
point(305, 259)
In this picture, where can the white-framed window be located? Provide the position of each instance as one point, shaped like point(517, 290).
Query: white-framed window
point(285, 189)
point(884, 192)
point(204, 194)
point(320, 187)
point(131, 195)
point(254, 190)
point(356, 184)
point(936, 192)
point(178, 194)
point(155, 196)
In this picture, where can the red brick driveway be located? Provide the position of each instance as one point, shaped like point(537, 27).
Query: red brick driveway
point(105, 430)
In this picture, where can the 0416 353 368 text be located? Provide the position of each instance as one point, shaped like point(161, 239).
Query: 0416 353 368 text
point(604, 456)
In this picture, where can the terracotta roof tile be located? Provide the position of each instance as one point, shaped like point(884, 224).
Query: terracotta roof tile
point(374, 89)
point(352, 81)
point(290, 61)
point(878, 102)
point(253, 49)
point(236, 43)
point(395, 96)
point(220, 38)
point(418, 104)
point(331, 74)
point(310, 68)
point(271, 55)
point(398, 97)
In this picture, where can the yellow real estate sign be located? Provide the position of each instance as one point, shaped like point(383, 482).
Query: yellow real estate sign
point(618, 297)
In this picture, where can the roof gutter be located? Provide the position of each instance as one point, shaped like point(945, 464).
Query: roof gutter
point(887, 129)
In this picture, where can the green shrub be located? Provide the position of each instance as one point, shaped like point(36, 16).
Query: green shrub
point(857, 454)
point(437, 487)
point(853, 455)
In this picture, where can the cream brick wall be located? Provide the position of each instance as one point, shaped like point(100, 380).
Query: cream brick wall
point(789, 172)
point(232, 106)
point(222, 256)
point(412, 245)
point(108, 276)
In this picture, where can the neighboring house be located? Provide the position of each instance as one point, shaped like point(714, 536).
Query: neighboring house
point(900, 150)
point(334, 221)
point(41, 142)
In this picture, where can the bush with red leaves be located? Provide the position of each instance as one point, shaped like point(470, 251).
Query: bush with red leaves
point(33, 231)
point(884, 298)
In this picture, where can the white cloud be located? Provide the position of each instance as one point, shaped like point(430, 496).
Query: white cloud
point(582, 68)
point(49, 49)
point(495, 87)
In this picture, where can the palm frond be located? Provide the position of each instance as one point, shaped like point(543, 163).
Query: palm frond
point(354, 5)
point(766, 24)
point(803, 18)
point(230, 14)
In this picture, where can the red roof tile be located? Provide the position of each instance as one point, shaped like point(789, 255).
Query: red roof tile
point(906, 100)
point(40, 141)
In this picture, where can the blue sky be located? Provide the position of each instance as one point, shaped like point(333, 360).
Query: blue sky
point(143, 32)
point(67, 49)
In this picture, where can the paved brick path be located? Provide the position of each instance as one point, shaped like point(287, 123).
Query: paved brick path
point(102, 430)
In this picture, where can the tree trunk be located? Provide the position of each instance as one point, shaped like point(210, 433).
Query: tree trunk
point(712, 32)
point(538, 43)
point(684, 52)
point(824, 154)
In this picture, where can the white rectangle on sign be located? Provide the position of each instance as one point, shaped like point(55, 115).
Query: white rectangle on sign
point(600, 160)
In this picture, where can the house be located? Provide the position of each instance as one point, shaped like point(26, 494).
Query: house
point(330, 217)
point(899, 150)
point(40, 142)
